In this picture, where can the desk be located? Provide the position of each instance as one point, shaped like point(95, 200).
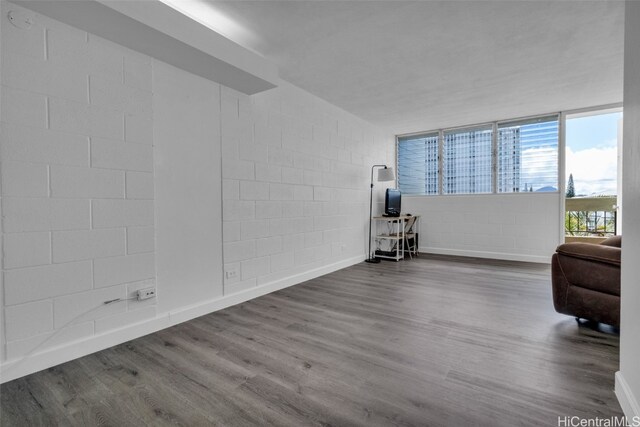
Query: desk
point(398, 228)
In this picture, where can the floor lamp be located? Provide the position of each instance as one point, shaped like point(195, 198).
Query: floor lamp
point(384, 174)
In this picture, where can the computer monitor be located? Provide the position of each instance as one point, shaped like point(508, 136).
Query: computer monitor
point(392, 201)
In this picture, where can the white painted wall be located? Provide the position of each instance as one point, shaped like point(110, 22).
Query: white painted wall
point(2, 337)
point(112, 180)
point(296, 177)
point(628, 378)
point(77, 175)
point(188, 187)
point(521, 227)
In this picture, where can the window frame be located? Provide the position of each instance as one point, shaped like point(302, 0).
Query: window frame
point(494, 155)
point(484, 126)
point(558, 117)
point(419, 135)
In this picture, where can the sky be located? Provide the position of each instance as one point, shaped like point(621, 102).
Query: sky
point(591, 153)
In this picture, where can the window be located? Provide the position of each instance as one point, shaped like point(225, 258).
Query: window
point(466, 160)
point(418, 164)
point(528, 155)
point(501, 157)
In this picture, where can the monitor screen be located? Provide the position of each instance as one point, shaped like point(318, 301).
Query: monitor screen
point(392, 202)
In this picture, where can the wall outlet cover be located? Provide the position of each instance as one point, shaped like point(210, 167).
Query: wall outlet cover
point(146, 293)
point(20, 19)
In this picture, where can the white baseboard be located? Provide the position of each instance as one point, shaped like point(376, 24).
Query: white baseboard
point(486, 254)
point(47, 358)
point(630, 406)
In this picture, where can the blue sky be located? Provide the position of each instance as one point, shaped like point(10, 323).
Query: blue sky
point(591, 153)
point(592, 131)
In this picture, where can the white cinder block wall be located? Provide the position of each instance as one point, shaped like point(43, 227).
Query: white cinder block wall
point(77, 184)
point(91, 158)
point(296, 174)
point(521, 227)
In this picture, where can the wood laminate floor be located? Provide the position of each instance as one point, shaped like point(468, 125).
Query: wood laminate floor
point(429, 342)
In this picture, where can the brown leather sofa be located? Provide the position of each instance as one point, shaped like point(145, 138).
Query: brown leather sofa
point(586, 280)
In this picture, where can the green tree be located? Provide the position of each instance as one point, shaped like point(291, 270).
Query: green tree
point(571, 190)
point(575, 223)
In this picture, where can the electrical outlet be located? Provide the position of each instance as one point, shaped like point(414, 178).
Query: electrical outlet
point(20, 19)
point(231, 273)
point(146, 293)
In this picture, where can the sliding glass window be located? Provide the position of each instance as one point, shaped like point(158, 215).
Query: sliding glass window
point(418, 164)
point(467, 160)
point(528, 155)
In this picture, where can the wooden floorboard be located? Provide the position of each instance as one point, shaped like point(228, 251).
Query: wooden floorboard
point(434, 341)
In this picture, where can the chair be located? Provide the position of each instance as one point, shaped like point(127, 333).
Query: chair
point(585, 278)
point(410, 239)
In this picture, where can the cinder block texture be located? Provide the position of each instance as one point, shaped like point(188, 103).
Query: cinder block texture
point(25, 179)
point(85, 182)
point(37, 283)
point(140, 239)
point(295, 183)
point(28, 319)
point(123, 269)
point(87, 244)
point(77, 174)
point(26, 249)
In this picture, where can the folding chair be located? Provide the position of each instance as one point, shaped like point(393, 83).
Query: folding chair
point(410, 237)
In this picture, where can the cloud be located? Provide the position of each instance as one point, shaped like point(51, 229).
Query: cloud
point(594, 169)
point(539, 167)
point(608, 143)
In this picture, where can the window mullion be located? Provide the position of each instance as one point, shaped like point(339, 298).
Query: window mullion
point(440, 161)
point(494, 159)
point(517, 156)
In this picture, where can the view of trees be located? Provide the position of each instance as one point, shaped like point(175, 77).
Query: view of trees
point(585, 223)
point(571, 189)
point(589, 222)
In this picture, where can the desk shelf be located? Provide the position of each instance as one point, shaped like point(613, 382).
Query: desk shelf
point(395, 236)
point(388, 236)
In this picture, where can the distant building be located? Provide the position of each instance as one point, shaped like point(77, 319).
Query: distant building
point(509, 160)
point(467, 161)
point(526, 156)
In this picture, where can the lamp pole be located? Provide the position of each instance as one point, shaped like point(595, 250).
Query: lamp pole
point(371, 258)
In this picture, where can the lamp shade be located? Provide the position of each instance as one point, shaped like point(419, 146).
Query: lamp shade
point(386, 174)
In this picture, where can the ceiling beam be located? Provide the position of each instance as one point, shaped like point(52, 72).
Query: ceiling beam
point(155, 29)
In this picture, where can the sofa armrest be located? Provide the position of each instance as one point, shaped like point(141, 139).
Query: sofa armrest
point(589, 266)
point(615, 241)
point(590, 252)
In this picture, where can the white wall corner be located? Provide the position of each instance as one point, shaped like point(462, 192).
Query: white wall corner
point(628, 379)
point(2, 319)
point(628, 402)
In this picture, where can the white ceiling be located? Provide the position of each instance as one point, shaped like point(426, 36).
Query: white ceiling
point(421, 65)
